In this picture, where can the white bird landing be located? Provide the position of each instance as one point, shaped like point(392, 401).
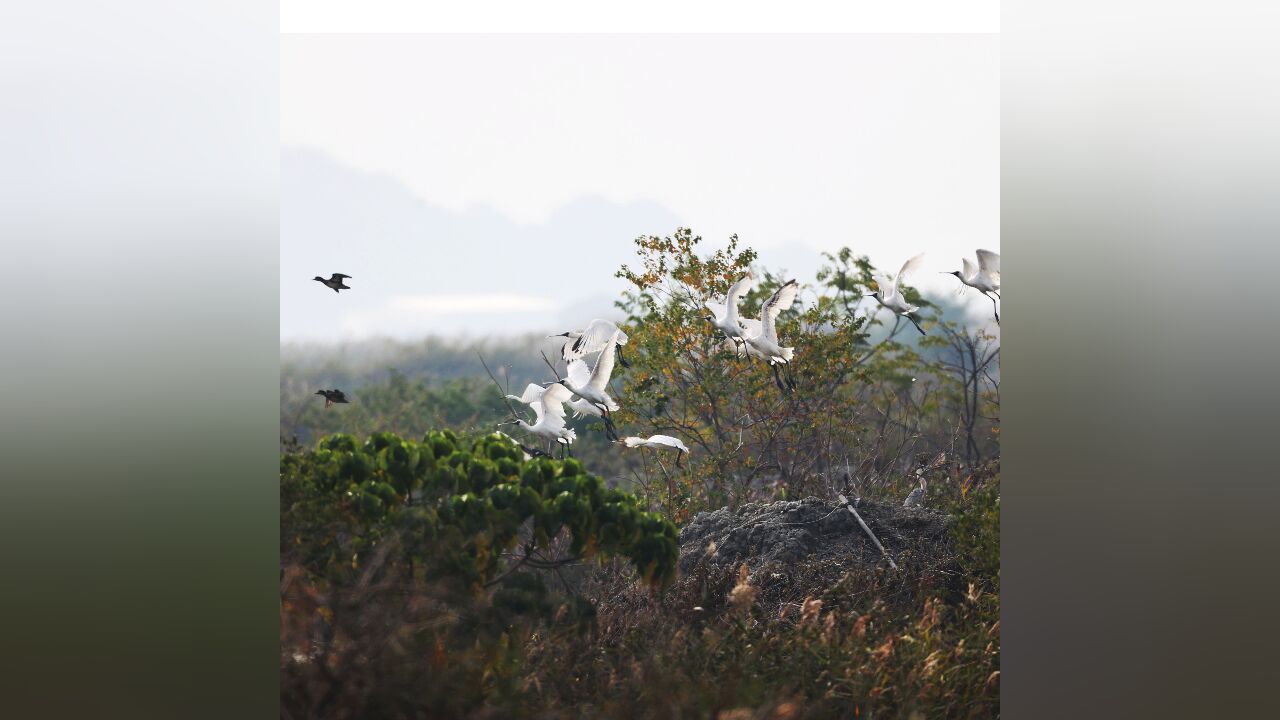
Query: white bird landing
point(985, 278)
point(657, 441)
point(580, 407)
point(726, 318)
point(548, 405)
point(889, 293)
point(596, 337)
point(592, 385)
point(761, 336)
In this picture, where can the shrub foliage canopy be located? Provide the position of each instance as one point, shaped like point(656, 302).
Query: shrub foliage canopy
point(458, 506)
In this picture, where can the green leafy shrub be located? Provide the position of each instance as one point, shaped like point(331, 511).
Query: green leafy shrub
point(463, 503)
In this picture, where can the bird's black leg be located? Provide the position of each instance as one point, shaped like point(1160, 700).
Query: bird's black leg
point(791, 383)
point(679, 455)
point(610, 431)
point(913, 322)
point(777, 380)
point(995, 308)
point(621, 360)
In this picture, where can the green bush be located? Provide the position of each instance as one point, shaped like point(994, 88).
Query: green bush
point(458, 504)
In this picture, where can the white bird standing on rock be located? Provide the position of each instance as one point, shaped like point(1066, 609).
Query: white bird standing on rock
point(916, 498)
point(597, 335)
point(548, 405)
point(657, 441)
point(761, 336)
point(889, 293)
point(726, 318)
point(985, 278)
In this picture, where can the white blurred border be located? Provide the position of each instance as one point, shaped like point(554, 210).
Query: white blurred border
point(654, 16)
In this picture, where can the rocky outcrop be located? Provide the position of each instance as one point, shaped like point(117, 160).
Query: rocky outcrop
point(809, 530)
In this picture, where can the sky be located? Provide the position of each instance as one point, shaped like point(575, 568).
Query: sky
point(490, 184)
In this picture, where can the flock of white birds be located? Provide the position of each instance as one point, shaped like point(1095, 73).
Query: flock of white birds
point(585, 389)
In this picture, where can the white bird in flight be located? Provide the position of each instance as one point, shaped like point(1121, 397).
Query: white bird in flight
point(594, 338)
point(592, 385)
point(761, 336)
point(726, 318)
point(985, 277)
point(580, 407)
point(889, 293)
point(548, 405)
point(657, 441)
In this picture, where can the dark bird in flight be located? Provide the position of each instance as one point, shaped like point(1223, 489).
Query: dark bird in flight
point(332, 396)
point(334, 282)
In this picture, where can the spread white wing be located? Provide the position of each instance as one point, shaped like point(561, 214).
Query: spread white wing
point(594, 339)
point(551, 406)
point(781, 300)
point(969, 269)
point(604, 365)
point(579, 375)
point(735, 294)
point(531, 394)
point(668, 441)
point(887, 288)
point(584, 408)
point(990, 264)
point(751, 328)
point(907, 267)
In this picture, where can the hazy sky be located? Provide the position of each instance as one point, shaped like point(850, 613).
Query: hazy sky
point(461, 179)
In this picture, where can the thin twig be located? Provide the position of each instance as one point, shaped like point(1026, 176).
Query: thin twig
point(503, 395)
point(849, 506)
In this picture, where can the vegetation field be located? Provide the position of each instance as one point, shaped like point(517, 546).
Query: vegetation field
point(435, 568)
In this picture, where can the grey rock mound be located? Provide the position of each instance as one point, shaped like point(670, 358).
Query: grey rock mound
point(790, 532)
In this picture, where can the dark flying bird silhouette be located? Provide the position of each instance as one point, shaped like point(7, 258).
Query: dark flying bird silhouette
point(334, 282)
point(332, 396)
